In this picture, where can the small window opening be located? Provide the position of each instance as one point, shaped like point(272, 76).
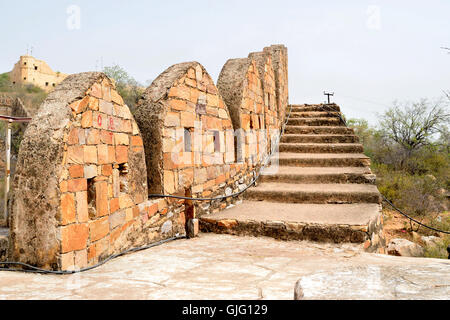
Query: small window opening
point(187, 140)
point(35, 68)
point(53, 84)
point(123, 177)
point(91, 196)
point(24, 63)
point(24, 78)
point(216, 141)
point(252, 125)
point(46, 84)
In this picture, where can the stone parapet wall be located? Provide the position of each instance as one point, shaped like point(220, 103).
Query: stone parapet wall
point(91, 175)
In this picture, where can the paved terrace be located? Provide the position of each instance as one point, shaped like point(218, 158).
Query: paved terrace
point(216, 266)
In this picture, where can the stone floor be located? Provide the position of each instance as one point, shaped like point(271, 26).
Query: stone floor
point(216, 266)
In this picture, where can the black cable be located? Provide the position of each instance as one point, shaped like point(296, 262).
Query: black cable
point(412, 219)
point(385, 199)
point(44, 271)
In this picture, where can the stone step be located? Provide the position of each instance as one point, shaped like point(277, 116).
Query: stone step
point(315, 122)
point(321, 147)
point(322, 159)
point(314, 114)
point(319, 138)
point(314, 193)
point(305, 108)
point(291, 129)
point(318, 175)
point(292, 221)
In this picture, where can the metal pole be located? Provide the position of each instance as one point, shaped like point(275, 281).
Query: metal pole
point(7, 168)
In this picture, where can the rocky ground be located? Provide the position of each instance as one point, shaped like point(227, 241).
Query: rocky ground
point(215, 266)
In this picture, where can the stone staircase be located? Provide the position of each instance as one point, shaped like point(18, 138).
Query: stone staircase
point(321, 190)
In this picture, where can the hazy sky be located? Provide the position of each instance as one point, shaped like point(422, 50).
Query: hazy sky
point(368, 52)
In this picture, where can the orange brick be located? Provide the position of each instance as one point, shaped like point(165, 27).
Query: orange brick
point(172, 119)
point(80, 105)
point(187, 119)
point(114, 235)
point(171, 160)
point(177, 104)
point(98, 229)
point(220, 179)
point(191, 73)
point(111, 154)
point(101, 196)
point(63, 186)
point(75, 185)
point(74, 237)
point(190, 82)
point(93, 104)
point(115, 97)
point(152, 209)
point(67, 208)
point(76, 171)
point(125, 201)
point(121, 154)
point(181, 92)
point(91, 252)
point(121, 139)
point(114, 205)
point(96, 90)
point(86, 119)
point(136, 141)
point(106, 137)
point(103, 154)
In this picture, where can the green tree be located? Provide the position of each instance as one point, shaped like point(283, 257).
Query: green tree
point(127, 86)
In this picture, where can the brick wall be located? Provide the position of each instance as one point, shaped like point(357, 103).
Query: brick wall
point(240, 85)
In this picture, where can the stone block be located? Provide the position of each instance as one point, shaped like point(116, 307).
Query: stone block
point(76, 171)
point(74, 237)
point(90, 154)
